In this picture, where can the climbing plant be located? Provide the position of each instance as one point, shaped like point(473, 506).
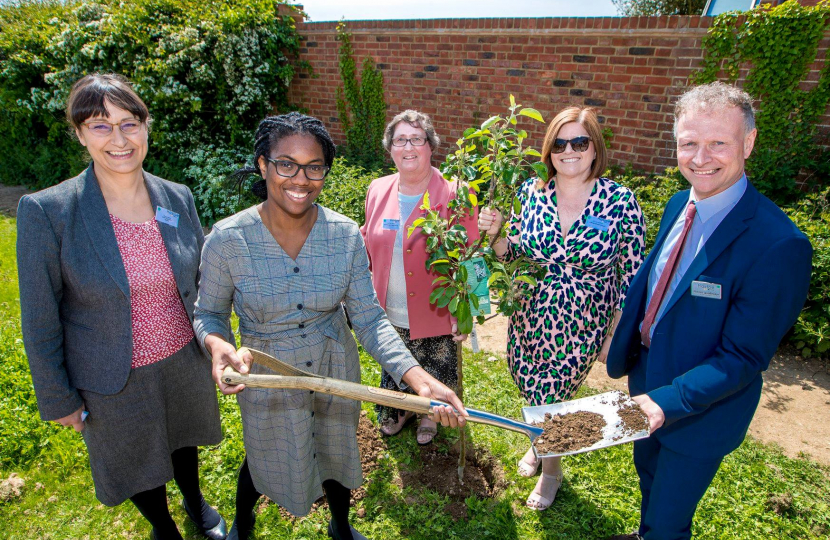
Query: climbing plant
point(360, 104)
point(778, 45)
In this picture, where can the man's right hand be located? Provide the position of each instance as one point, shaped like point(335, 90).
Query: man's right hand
point(73, 420)
point(223, 354)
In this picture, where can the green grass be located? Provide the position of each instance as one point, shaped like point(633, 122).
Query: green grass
point(599, 496)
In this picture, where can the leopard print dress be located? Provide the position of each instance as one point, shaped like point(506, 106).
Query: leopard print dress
point(557, 333)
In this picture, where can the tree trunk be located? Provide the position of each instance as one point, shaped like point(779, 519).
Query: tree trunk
point(462, 440)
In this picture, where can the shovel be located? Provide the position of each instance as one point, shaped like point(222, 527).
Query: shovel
point(291, 377)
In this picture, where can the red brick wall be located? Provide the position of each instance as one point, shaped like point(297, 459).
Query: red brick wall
point(461, 71)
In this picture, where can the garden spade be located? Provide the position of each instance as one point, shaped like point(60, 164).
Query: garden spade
point(290, 377)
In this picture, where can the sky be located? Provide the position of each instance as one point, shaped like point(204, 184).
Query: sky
point(334, 10)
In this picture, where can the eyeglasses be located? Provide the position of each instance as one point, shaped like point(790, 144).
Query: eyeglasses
point(102, 128)
point(579, 144)
point(289, 169)
point(414, 141)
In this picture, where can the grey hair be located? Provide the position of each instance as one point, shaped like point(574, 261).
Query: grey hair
point(414, 119)
point(715, 96)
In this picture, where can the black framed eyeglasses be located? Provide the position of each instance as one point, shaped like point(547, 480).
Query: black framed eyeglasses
point(579, 144)
point(289, 169)
point(102, 128)
point(414, 141)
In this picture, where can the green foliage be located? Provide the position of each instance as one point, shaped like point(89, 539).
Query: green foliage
point(208, 70)
point(778, 44)
point(811, 334)
point(360, 105)
point(489, 167)
point(641, 8)
point(346, 186)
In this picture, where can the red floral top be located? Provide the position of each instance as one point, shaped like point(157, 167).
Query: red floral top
point(160, 323)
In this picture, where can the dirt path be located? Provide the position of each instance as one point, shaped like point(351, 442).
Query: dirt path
point(794, 408)
point(795, 404)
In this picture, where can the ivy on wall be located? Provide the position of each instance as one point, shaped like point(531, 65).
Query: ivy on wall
point(360, 105)
point(778, 44)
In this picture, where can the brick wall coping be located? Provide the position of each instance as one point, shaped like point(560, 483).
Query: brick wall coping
point(578, 24)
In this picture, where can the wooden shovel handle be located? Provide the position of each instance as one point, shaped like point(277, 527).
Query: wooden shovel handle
point(336, 387)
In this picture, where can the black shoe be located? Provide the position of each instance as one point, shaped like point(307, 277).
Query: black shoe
point(355, 535)
point(241, 533)
point(218, 531)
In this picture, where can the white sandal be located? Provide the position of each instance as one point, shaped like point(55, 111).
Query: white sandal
point(535, 501)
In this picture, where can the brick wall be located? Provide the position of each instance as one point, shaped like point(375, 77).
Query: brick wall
point(461, 71)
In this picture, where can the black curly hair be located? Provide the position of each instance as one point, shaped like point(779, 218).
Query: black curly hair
point(271, 130)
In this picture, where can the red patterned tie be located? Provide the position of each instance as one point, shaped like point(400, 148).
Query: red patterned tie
point(665, 277)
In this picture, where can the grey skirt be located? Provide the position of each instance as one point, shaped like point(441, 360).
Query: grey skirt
point(130, 435)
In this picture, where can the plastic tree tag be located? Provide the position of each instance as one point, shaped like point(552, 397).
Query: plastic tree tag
point(477, 275)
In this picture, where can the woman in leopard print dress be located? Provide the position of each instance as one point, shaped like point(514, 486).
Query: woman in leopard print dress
point(588, 233)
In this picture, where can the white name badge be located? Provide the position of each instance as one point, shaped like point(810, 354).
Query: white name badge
point(168, 217)
point(703, 289)
point(391, 224)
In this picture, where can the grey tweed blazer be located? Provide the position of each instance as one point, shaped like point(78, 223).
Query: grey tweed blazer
point(74, 293)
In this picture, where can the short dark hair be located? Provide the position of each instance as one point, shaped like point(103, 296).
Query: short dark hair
point(271, 130)
point(89, 96)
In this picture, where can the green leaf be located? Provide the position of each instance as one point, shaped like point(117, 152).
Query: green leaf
point(418, 222)
point(436, 293)
point(530, 280)
point(517, 206)
point(532, 152)
point(445, 298)
point(473, 199)
point(532, 113)
point(490, 121)
point(425, 206)
point(453, 305)
point(465, 318)
point(439, 261)
point(540, 169)
point(512, 102)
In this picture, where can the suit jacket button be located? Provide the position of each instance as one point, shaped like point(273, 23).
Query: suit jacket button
point(409, 273)
point(412, 294)
point(308, 363)
point(409, 251)
point(186, 294)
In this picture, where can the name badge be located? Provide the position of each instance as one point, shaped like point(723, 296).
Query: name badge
point(168, 217)
point(702, 289)
point(598, 223)
point(391, 224)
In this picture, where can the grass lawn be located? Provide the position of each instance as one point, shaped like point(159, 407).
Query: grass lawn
point(599, 496)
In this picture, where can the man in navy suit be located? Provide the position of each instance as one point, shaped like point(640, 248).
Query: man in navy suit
point(727, 277)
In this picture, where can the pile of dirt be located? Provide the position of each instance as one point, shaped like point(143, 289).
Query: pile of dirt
point(483, 475)
point(11, 487)
point(632, 418)
point(781, 504)
point(569, 432)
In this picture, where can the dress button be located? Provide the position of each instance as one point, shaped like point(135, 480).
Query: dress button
point(412, 294)
point(409, 273)
point(409, 251)
point(308, 363)
point(299, 306)
point(301, 325)
point(296, 269)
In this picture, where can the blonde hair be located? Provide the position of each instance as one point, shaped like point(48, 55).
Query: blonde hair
point(587, 118)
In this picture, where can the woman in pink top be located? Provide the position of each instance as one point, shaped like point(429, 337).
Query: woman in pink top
point(398, 261)
point(109, 264)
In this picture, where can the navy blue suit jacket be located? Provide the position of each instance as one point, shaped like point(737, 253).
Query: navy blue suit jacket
point(707, 355)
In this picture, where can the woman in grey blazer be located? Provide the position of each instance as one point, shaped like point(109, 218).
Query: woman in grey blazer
point(108, 268)
point(285, 266)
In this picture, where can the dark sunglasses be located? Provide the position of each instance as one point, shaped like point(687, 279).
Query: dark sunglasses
point(579, 144)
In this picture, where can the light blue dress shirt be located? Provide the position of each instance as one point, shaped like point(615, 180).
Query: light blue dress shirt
point(709, 214)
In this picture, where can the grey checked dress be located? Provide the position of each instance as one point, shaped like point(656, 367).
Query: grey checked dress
point(291, 309)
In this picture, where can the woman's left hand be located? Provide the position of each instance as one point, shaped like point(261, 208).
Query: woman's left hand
point(455, 335)
point(429, 387)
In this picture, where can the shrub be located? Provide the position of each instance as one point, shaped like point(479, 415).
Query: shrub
point(208, 71)
point(345, 188)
